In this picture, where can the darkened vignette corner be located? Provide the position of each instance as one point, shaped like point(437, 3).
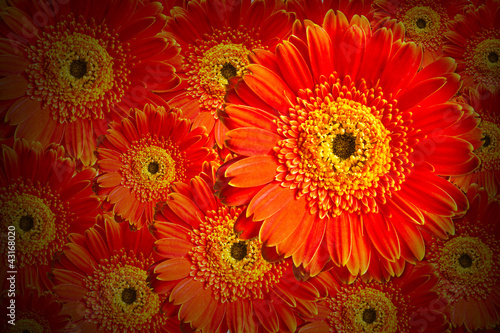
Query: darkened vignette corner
point(250, 166)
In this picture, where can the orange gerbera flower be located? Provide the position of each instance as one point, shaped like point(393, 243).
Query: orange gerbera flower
point(468, 264)
point(425, 21)
point(42, 200)
point(216, 280)
point(487, 175)
point(407, 304)
point(142, 155)
point(102, 278)
point(33, 311)
point(216, 38)
point(315, 10)
point(343, 149)
point(69, 68)
point(473, 40)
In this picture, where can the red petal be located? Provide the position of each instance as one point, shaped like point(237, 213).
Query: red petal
point(293, 67)
point(250, 141)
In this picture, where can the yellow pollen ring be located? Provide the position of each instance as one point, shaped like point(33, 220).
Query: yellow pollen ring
point(34, 222)
point(489, 153)
point(472, 271)
point(371, 157)
point(367, 310)
point(28, 325)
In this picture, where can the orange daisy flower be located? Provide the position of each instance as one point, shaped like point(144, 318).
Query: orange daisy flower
point(67, 69)
point(407, 304)
point(42, 200)
point(217, 281)
point(101, 276)
point(216, 38)
point(469, 275)
point(473, 40)
point(142, 155)
point(340, 152)
point(487, 175)
point(33, 311)
point(315, 10)
point(425, 21)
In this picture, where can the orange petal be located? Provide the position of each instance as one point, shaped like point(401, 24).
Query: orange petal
point(320, 51)
point(185, 290)
point(173, 247)
point(270, 88)
point(185, 209)
point(173, 269)
point(12, 87)
point(252, 171)
point(193, 308)
point(251, 141)
point(382, 235)
point(21, 110)
point(269, 200)
point(293, 67)
point(339, 238)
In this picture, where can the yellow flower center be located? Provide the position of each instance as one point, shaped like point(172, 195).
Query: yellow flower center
point(120, 297)
point(366, 310)
point(343, 146)
point(489, 152)
point(216, 59)
point(29, 325)
point(78, 70)
point(233, 268)
point(466, 260)
point(150, 166)
point(40, 220)
point(481, 58)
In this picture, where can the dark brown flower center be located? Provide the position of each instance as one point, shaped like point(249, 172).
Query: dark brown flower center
point(344, 145)
point(78, 68)
point(129, 295)
point(239, 250)
point(493, 57)
point(26, 222)
point(421, 23)
point(465, 260)
point(153, 167)
point(228, 71)
point(369, 316)
point(487, 140)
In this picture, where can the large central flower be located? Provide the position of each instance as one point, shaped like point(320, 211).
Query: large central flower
point(338, 155)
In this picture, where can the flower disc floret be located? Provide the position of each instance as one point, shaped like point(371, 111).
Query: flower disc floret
point(235, 269)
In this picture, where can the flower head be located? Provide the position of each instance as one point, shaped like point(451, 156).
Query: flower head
point(34, 311)
point(338, 155)
point(44, 199)
point(216, 39)
point(425, 22)
point(141, 156)
point(102, 278)
point(487, 175)
point(217, 280)
point(72, 73)
point(403, 305)
point(473, 40)
point(467, 264)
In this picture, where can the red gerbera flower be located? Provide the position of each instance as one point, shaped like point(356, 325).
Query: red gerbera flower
point(218, 281)
point(102, 278)
point(407, 304)
point(69, 68)
point(473, 40)
point(43, 199)
point(340, 148)
point(315, 10)
point(469, 275)
point(487, 175)
point(425, 21)
point(33, 311)
point(216, 38)
point(142, 155)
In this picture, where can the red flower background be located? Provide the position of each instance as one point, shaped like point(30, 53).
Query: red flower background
point(250, 166)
